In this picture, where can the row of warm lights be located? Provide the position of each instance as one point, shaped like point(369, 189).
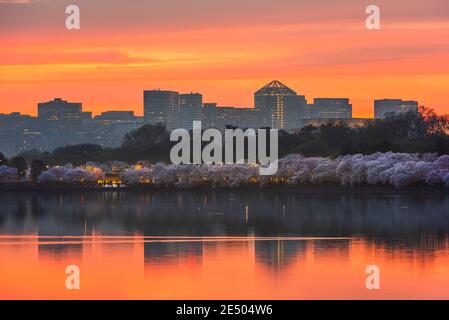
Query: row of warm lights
point(251, 180)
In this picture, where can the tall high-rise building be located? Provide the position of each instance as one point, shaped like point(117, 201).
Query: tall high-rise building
point(190, 106)
point(61, 123)
point(331, 108)
point(271, 101)
point(393, 106)
point(208, 116)
point(161, 106)
point(296, 110)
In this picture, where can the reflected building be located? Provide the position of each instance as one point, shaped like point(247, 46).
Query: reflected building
point(271, 214)
point(323, 248)
point(168, 252)
point(61, 250)
point(278, 254)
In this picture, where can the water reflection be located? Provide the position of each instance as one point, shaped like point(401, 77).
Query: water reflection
point(225, 244)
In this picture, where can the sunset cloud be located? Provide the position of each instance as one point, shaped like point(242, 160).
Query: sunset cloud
point(20, 1)
point(71, 57)
point(224, 49)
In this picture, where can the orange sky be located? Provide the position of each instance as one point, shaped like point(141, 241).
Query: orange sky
point(225, 51)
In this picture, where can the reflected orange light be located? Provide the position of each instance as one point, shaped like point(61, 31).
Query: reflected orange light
point(317, 269)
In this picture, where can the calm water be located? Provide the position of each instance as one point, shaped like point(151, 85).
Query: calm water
point(264, 244)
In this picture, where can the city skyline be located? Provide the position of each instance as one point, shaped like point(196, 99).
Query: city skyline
point(60, 122)
point(139, 111)
point(320, 48)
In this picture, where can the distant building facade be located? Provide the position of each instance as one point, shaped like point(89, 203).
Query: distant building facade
point(161, 106)
point(59, 110)
point(191, 105)
point(61, 123)
point(208, 113)
point(393, 106)
point(296, 110)
point(272, 102)
point(110, 127)
point(19, 133)
point(220, 117)
point(236, 117)
point(349, 122)
point(331, 108)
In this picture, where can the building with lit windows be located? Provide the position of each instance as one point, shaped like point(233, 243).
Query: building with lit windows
point(271, 101)
point(61, 123)
point(161, 106)
point(19, 133)
point(331, 108)
point(190, 109)
point(59, 110)
point(109, 128)
point(219, 117)
point(393, 106)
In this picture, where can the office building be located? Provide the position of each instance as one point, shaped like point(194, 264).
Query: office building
point(110, 127)
point(393, 106)
point(190, 109)
point(271, 101)
point(208, 115)
point(331, 108)
point(61, 123)
point(221, 117)
point(59, 110)
point(296, 110)
point(348, 122)
point(19, 133)
point(161, 106)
